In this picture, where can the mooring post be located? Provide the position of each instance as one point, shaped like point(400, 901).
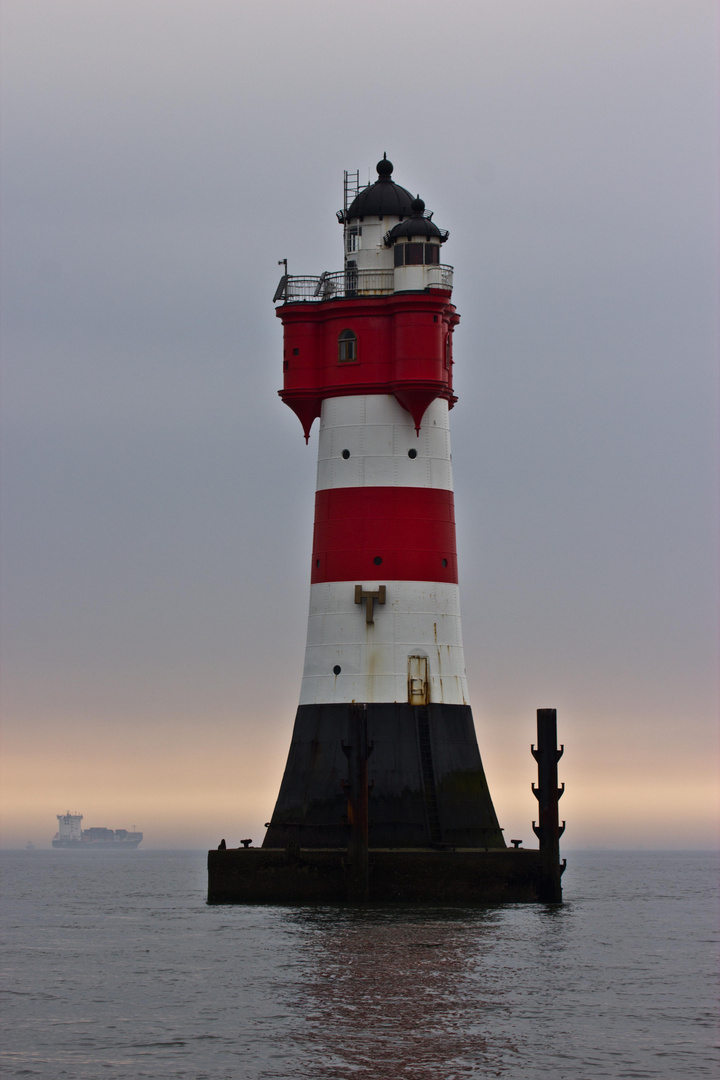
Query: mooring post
point(358, 750)
point(548, 794)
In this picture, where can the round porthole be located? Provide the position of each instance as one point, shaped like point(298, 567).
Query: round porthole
point(346, 454)
point(412, 453)
point(337, 669)
point(444, 562)
point(377, 560)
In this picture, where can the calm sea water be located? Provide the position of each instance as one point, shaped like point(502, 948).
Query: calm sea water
point(115, 967)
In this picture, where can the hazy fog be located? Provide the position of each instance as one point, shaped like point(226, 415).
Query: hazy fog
point(157, 161)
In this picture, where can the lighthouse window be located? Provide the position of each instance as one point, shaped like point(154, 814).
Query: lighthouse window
point(337, 669)
point(448, 351)
point(412, 453)
point(416, 254)
point(352, 238)
point(346, 454)
point(347, 347)
point(377, 560)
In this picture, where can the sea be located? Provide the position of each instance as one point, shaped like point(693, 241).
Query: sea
point(114, 966)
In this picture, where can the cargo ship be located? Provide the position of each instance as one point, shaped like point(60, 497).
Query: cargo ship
point(70, 834)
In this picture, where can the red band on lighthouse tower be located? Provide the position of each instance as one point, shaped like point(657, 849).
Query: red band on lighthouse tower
point(400, 534)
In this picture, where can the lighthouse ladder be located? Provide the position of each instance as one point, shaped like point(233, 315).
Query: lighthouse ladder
point(351, 188)
point(428, 775)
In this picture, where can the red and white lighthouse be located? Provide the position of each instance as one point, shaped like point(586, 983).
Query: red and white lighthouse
point(368, 352)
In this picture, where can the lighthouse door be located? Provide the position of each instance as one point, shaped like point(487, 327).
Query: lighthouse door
point(418, 680)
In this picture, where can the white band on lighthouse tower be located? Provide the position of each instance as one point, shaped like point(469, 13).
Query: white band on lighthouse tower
point(408, 648)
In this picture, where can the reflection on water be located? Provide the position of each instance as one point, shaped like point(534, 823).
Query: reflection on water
point(114, 966)
point(406, 992)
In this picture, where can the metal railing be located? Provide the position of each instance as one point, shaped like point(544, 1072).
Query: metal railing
point(345, 284)
point(440, 276)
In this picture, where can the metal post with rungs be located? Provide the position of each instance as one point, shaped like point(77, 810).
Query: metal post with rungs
point(548, 794)
point(357, 750)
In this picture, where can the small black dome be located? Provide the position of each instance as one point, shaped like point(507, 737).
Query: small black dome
point(382, 198)
point(417, 225)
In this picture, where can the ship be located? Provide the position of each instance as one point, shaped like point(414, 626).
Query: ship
point(70, 834)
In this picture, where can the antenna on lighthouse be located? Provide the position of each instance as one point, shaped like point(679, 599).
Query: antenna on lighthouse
point(281, 291)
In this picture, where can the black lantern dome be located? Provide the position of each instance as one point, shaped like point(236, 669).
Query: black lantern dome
point(384, 198)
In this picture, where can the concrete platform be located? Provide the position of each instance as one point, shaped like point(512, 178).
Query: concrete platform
point(421, 875)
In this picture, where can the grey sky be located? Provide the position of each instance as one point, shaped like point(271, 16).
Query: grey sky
point(158, 159)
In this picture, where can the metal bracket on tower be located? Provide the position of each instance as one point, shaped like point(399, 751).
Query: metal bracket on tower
point(369, 596)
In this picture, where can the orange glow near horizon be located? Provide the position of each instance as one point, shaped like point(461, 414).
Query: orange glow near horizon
point(188, 792)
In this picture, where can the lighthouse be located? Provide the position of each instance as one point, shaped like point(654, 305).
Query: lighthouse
point(368, 353)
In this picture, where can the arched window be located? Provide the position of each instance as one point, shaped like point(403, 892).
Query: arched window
point(347, 347)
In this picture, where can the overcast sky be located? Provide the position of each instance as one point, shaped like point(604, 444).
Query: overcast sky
point(158, 159)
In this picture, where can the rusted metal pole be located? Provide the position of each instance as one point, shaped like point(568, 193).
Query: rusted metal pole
point(548, 794)
point(357, 751)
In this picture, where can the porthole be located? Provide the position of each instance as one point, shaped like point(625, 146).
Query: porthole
point(317, 563)
point(412, 453)
point(444, 562)
point(346, 454)
point(377, 560)
point(337, 669)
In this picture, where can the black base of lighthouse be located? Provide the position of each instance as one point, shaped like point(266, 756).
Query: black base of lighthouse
point(427, 786)
point(404, 876)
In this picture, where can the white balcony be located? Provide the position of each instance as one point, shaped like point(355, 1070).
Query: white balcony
point(351, 283)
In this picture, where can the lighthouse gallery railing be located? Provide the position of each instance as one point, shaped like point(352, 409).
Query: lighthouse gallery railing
point(353, 282)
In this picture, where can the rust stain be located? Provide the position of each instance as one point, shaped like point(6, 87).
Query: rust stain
point(372, 654)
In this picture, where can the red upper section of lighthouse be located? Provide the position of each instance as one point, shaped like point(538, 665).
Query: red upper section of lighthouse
point(397, 344)
point(384, 324)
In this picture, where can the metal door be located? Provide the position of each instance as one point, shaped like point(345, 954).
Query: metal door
point(418, 680)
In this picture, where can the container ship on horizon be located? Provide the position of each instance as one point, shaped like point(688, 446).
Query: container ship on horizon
point(71, 835)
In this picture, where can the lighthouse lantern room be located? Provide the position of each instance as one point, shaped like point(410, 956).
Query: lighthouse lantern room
point(368, 352)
